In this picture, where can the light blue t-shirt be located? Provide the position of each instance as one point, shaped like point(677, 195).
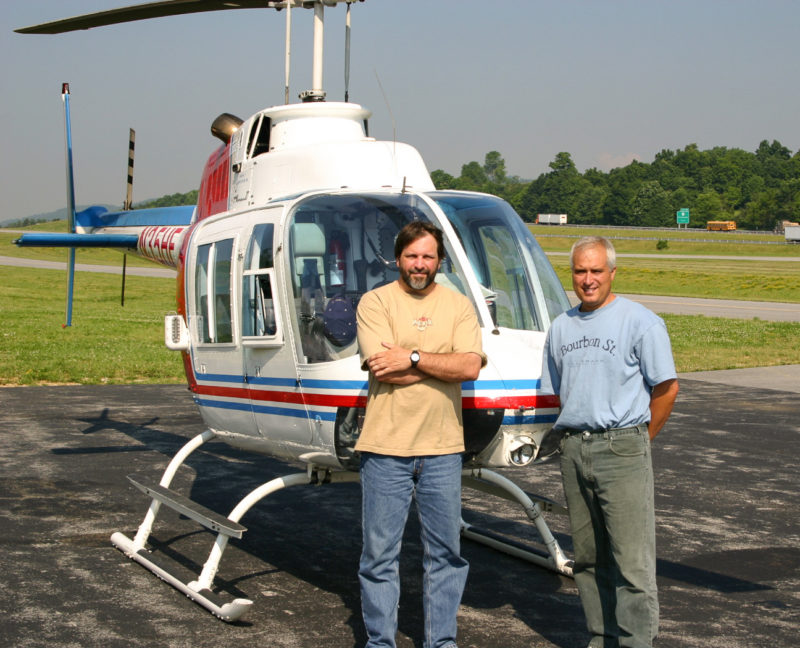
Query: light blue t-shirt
point(603, 364)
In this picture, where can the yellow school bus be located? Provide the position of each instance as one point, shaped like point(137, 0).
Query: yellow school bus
point(721, 226)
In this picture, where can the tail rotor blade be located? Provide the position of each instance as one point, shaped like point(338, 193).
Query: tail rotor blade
point(70, 202)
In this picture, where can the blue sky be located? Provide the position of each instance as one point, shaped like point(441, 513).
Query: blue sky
point(605, 80)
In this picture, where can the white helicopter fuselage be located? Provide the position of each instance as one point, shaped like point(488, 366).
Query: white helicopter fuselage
point(270, 287)
point(296, 219)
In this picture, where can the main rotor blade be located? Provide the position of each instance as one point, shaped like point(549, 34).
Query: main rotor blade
point(158, 10)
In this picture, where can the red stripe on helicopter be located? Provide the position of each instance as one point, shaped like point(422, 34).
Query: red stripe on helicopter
point(336, 400)
point(298, 398)
point(510, 402)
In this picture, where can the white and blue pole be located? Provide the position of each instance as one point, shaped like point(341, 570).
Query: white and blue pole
point(70, 202)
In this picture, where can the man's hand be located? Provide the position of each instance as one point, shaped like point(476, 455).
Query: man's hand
point(662, 398)
point(394, 366)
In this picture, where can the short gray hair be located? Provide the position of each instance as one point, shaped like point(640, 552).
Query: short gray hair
point(594, 241)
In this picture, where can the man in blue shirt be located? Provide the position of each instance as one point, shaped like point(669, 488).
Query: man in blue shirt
point(610, 361)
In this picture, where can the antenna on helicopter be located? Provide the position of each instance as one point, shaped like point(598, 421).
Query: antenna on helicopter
point(388, 107)
point(347, 54)
point(288, 50)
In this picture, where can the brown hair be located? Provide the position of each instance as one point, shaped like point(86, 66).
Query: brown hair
point(416, 230)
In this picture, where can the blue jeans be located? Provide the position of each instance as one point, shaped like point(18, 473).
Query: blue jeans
point(387, 485)
point(608, 483)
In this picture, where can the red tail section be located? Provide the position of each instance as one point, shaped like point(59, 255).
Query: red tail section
point(213, 193)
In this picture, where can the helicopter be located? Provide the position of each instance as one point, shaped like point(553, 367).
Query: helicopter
point(297, 212)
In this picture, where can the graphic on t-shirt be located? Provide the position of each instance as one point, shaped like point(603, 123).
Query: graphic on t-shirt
point(421, 323)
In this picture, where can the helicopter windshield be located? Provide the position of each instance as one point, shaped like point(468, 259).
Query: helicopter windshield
point(341, 246)
point(522, 290)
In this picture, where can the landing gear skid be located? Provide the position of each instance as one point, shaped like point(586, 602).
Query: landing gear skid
point(200, 589)
point(493, 483)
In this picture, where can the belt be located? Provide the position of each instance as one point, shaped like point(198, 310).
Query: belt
point(642, 427)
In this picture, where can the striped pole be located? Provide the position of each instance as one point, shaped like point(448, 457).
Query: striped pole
point(129, 193)
point(128, 204)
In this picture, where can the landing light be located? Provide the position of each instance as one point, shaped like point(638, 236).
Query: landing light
point(523, 455)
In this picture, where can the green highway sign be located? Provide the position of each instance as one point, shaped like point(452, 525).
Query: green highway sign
point(682, 216)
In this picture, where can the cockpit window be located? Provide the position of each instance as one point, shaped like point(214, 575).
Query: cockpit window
point(519, 284)
point(341, 246)
point(258, 142)
point(259, 308)
point(212, 300)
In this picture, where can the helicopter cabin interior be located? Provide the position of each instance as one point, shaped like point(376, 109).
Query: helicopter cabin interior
point(339, 246)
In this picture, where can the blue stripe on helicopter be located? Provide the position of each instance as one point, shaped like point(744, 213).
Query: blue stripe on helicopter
point(283, 382)
point(359, 384)
point(266, 409)
point(526, 420)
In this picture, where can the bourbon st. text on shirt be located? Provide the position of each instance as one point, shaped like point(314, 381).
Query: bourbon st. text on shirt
point(584, 343)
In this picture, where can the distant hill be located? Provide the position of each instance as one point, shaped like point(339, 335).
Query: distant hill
point(58, 214)
point(171, 200)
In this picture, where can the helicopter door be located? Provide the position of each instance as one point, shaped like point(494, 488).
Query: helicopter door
point(269, 367)
point(216, 356)
point(241, 167)
point(246, 145)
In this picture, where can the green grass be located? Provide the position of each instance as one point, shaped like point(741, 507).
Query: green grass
point(710, 343)
point(106, 344)
point(672, 234)
point(643, 241)
point(772, 273)
point(111, 344)
point(777, 281)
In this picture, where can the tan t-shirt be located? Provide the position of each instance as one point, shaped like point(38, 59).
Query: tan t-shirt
point(423, 418)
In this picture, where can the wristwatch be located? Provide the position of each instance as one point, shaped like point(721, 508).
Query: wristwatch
point(414, 358)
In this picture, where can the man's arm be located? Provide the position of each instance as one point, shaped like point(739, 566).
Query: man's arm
point(394, 366)
point(662, 398)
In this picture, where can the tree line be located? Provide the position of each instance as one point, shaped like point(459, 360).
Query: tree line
point(757, 190)
point(172, 200)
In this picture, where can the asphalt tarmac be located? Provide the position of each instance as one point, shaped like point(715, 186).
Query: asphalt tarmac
point(727, 515)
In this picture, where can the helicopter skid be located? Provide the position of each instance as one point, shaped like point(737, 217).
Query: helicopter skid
point(227, 611)
point(493, 483)
point(200, 589)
